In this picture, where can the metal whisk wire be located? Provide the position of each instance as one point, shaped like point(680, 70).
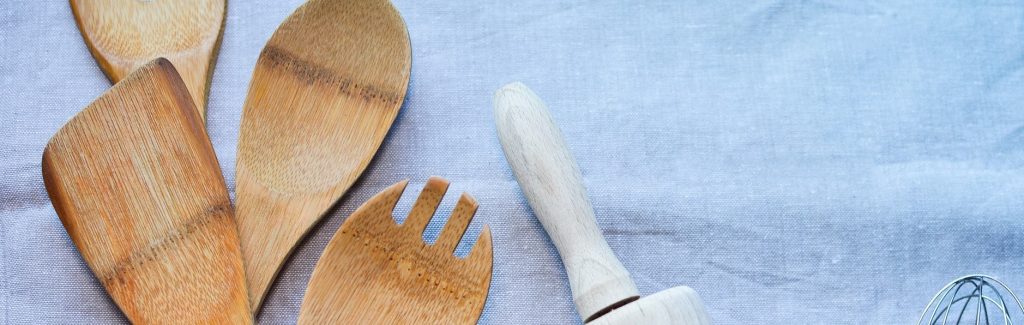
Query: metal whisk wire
point(975, 288)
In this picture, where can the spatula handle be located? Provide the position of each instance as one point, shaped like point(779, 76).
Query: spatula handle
point(551, 181)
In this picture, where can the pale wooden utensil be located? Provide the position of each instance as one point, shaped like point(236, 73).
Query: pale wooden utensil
point(602, 288)
point(123, 35)
point(375, 271)
point(135, 182)
point(324, 93)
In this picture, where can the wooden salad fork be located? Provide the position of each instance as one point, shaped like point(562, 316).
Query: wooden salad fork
point(375, 271)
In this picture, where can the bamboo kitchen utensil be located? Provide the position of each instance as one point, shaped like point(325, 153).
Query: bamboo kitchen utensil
point(135, 182)
point(123, 35)
point(375, 271)
point(602, 288)
point(324, 93)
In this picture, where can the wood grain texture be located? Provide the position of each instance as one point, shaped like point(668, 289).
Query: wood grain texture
point(676, 306)
point(375, 271)
point(551, 182)
point(135, 182)
point(325, 90)
point(124, 35)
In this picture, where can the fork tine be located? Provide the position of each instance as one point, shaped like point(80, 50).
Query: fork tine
point(456, 226)
point(482, 248)
point(383, 203)
point(423, 210)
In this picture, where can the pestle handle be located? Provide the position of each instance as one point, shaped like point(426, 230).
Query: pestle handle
point(551, 182)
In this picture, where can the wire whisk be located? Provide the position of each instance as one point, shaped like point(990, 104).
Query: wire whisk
point(973, 299)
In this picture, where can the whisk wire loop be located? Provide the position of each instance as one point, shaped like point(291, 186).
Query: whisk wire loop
point(975, 288)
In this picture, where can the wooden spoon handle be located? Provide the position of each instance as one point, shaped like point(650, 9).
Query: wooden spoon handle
point(551, 181)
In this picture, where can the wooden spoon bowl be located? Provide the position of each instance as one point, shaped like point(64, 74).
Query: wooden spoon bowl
point(324, 93)
point(124, 35)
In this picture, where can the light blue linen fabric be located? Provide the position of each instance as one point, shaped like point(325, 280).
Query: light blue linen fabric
point(796, 162)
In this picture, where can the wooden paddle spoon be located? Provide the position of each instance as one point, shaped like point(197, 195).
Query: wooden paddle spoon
point(324, 93)
point(374, 271)
point(124, 35)
point(135, 182)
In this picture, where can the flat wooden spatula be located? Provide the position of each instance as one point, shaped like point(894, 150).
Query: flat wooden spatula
point(135, 182)
point(375, 271)
point(124, 35)
point(324, 93)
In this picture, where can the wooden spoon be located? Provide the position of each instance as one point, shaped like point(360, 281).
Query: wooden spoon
point(135, 182)
point(374, 271)
point(123, 35)
point(324, 93)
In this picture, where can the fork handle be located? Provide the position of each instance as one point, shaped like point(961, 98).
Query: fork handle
point(551, 181)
